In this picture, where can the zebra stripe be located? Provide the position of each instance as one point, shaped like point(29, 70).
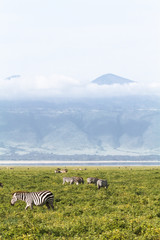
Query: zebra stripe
point(34, 198)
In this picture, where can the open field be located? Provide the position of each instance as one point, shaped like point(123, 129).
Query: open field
point(128, 209)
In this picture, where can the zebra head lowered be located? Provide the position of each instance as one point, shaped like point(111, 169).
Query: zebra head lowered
point(15, 197)
point(34, 198)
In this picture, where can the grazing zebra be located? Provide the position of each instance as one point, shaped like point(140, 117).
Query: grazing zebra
point(64, 170)
point(92, 180)
point(72, 180)
point(102, 183)
point(78, 180)
point(34, 198)
point(58, 170)
point(68, 180)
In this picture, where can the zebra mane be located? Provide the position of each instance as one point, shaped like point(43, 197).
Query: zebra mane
point(19, 192)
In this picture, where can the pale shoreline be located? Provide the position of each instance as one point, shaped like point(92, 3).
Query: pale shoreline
point(87, 163)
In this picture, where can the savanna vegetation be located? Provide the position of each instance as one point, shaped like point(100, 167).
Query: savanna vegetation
point(128, 209)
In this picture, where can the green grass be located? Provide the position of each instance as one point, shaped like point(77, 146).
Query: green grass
point(128, 209)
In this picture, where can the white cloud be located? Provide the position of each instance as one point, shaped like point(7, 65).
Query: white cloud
point(35, 87)
point(42, 87)
point(123, 90)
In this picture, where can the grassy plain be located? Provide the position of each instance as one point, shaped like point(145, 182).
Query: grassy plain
point(128, 209)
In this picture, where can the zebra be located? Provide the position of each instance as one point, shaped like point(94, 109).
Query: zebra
point(34, 198)
point(102, 183)
point(78, 180)
point(92, 180)
point(64, 171)
point(68, 180)
point(72, 180)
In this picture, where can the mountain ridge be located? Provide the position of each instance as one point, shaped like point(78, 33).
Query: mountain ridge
point(121, 126)
point(110, 79)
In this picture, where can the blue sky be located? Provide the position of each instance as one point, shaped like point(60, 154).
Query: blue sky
point(59, 44)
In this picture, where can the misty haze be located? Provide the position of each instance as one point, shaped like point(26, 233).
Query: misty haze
point(108, 125)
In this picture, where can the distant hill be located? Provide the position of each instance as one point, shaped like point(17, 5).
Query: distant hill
point(118, 126)
point(112, 126)
point(109, 79)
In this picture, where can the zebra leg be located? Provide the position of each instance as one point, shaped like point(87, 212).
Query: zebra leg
point(71, 182)
point(31, 206)
point(47, 204)
point(51, 204)
point(28, 205)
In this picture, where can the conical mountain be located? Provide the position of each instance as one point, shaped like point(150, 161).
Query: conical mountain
point(109, 79)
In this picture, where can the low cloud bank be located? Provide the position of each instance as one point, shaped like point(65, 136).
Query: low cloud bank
point(42, 87)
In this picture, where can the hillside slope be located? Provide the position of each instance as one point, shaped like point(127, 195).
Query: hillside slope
point(116, 126)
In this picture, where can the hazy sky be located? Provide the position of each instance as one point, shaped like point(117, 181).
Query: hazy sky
point(61, 45)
